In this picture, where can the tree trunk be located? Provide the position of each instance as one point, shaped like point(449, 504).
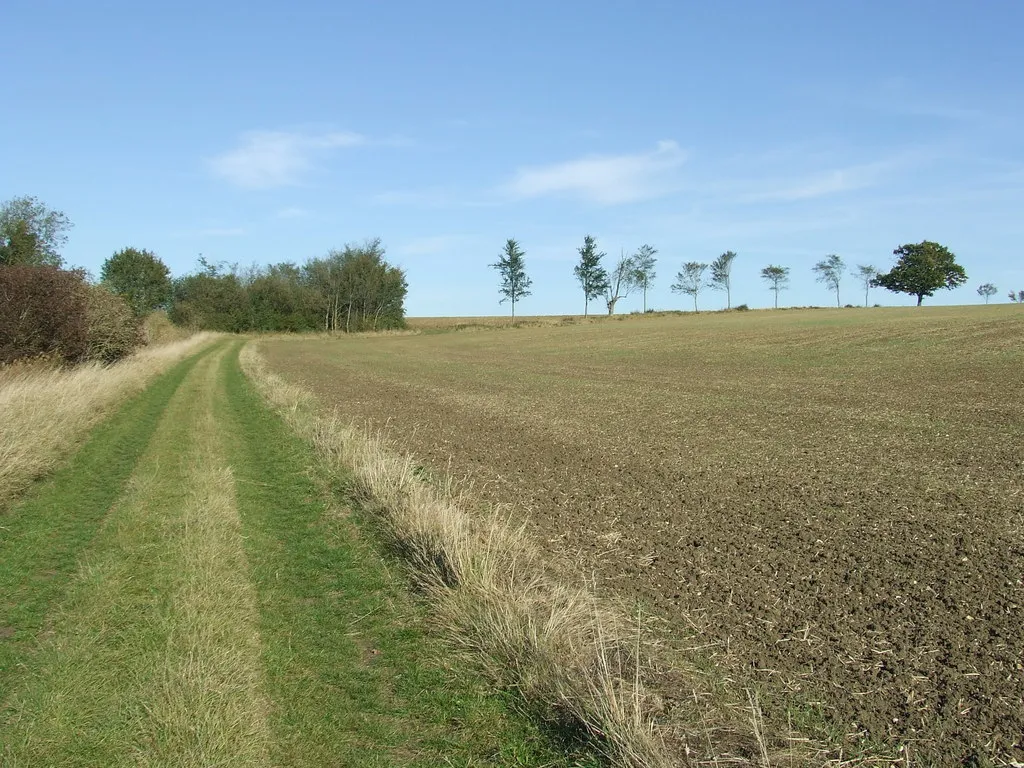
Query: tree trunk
point(920, 296)
point(776, 298)
point(513, 308)
point(866, 295)
point(728, 296)
point(695, 302)
point(838, 303)
point(611, 305)
point(586, 304)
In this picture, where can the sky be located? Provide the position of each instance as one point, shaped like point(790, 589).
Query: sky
point(256, 132)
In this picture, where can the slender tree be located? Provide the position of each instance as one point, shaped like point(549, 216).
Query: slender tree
point(512, 270)
point(830, 272)
point(777, 279)
point(721, 276)
point(921, 269)
point(987, 290)
point(621, 281)
point(689, 280)
point(866, 274)
point(592, 276)
point(1017, 298)
point(644, 262)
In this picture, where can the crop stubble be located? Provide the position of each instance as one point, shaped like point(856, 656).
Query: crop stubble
point(830, 503)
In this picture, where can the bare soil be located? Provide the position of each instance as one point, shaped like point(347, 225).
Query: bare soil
point(826, 505)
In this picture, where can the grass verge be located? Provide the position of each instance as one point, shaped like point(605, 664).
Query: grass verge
point(46, 412)
point(354, 677)
point(571, 657)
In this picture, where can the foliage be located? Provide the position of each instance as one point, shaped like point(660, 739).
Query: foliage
point(865, 274)
point(113, 328)
point(1017, 297)
point(42, 312)
point(921, 269)
point(512, 269)
point(644, 263)
point(689, 280)
point(31, 234)
point(592, 276)
point(987, 290)
point(353, 289)
point(777, 278)
point(721, 276)
point(830, 272)
point(621, 281)
point(140, 277)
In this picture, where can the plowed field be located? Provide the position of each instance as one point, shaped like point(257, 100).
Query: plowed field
point(830, 502)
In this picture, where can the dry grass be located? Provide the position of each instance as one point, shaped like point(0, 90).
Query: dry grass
point(45, 411)
point(573, 658)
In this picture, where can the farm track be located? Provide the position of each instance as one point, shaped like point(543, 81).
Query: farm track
point(830, 505)
point(183, 592)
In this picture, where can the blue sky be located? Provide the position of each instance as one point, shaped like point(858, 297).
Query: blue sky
point(262, 132)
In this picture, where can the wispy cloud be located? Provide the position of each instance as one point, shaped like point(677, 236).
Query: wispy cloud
point(820, 184)
point(603, 179)
point(266, 159)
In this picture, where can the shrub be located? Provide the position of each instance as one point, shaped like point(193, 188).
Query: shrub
point(42, 312)
point(113, 329)
point(741, 308)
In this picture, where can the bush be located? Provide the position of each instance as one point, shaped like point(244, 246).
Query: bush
point(741, 308)
point(113, 329)
point(42, 312)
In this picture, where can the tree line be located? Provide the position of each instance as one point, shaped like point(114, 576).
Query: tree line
point(47, 309)
point(920, 270)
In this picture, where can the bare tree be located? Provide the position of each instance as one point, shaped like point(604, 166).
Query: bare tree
point(690, 279)
point(621, 281)
point(987, 290)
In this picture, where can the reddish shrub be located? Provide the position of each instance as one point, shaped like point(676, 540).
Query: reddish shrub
point(43, 311)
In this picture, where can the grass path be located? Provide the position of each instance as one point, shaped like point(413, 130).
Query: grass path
point(184, 593)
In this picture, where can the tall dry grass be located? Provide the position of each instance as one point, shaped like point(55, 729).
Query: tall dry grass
point(575, 659)
point(45, 411)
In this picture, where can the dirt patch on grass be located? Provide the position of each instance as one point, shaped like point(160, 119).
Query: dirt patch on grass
point(828, 506)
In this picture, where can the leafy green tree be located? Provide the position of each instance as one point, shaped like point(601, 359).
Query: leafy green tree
point(921, 269)
point(830, 272)
point(987, 290)
point(865, 274)
point(777, 278)
point(592, 276)
point(721, 276)
point(511, 268)
point(644, 263)
point(31, 234)
point(621, 281)
point(690, 280)
point(140, 278)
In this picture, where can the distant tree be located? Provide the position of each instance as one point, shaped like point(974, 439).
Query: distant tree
point(512, 270)
point(830, 272)
point(689, 280)
point(777, 279)
point(644, 262)
point(31, 234)
point(922, 269)
point(866, 274)
point(592, 276)
point(140, 278)
point(1017, 297)
point(621, 281)
point(721, 276)
point(987, 290)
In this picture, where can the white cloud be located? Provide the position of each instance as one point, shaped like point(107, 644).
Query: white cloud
point(603, 179)
point(266, 159)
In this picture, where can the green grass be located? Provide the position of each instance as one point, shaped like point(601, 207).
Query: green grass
point(357, 678)
point(42, 538)
point(186, 592)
